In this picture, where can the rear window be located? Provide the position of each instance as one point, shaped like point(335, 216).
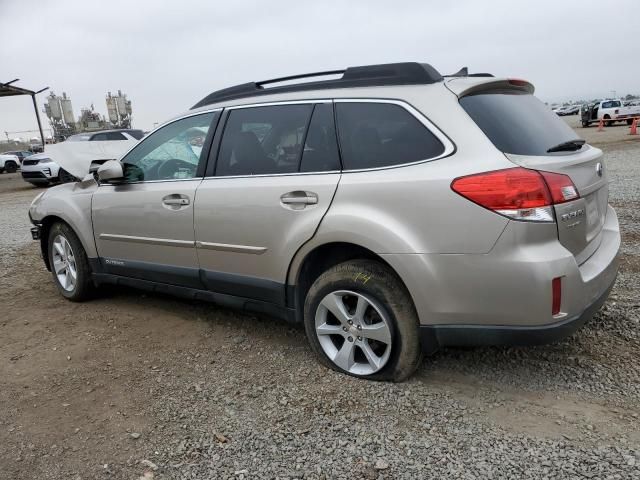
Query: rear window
point(115, 136)
point(517, 122)
point(137, 134)
point(611, 104)
point(382, 134)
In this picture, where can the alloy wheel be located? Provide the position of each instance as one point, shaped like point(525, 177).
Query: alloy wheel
point(354, 332)
point(64, 263)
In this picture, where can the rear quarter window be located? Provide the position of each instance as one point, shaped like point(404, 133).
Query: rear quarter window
point(376, 135)
point(517, 122)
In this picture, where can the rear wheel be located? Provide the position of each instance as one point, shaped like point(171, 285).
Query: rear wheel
point(586, 124)
point(69, 264)
point(360, 320)
point(10, 167)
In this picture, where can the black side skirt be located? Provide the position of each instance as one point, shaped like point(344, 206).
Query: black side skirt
point(229, 290)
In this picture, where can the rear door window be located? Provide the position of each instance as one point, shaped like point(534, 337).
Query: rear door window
point(376, 135)
point(517, 122)
point(99, 137)
point(263, 140)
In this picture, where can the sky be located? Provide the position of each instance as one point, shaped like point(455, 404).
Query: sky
point(167, 55)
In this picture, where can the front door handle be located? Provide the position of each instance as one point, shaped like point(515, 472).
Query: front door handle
point(299, 198)
point(176, 200)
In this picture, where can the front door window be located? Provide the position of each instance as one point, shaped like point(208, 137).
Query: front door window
point(172, 152)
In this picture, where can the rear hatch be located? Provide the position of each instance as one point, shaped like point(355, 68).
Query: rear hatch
point(532, 136)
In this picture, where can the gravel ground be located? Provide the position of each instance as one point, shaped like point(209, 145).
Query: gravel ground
point(14, 224)
point(138, 386)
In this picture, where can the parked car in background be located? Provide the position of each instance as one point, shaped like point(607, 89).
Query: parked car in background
point(386, 210)
point(610, 111)
point(40, 170)
point(107, 135)
point(21, 154)
point(9, 162)
point(568, 110)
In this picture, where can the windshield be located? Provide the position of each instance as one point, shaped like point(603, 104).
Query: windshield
point(517, 122)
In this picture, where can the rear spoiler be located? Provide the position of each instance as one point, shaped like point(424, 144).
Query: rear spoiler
point(463, 86)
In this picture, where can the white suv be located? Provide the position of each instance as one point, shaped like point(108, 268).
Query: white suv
point(40, 170)
point(9, 163)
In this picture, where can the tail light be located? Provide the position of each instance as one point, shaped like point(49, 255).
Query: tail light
point(517, 193)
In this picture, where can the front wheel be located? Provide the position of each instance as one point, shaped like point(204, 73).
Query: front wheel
point(69, 264)
point(10, 167)
point(360, 320)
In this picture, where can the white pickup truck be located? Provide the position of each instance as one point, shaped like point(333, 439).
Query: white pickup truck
point(9, 163)
point(610, 111)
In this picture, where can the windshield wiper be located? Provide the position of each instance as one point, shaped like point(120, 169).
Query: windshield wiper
point(568, 146)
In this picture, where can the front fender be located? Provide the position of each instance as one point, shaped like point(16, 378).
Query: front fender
point(71, 203)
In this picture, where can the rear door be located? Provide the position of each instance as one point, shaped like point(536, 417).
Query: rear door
point(276, 173)
point(531, 136)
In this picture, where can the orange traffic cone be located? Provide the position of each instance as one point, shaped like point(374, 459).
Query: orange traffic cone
point(601, 125)
point(634, 127)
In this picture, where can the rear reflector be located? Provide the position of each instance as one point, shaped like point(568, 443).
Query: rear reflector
point(517, 193)
point(556, 289)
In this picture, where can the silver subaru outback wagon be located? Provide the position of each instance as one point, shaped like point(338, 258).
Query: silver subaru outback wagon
point(392, 211)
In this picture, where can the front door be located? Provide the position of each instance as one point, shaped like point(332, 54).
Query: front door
point(143, 227)
point(275, 176)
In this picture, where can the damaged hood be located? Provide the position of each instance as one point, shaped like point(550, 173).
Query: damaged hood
point(76, 157)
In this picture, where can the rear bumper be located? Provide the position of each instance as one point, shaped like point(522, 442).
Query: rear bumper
point(505, 296)
point(433, 337)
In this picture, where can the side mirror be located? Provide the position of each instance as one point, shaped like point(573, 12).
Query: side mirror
point(110, 171)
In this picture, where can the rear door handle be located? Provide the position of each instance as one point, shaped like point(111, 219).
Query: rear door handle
point(299, 198)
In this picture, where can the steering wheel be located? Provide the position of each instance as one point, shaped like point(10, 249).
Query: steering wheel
point(168, 168)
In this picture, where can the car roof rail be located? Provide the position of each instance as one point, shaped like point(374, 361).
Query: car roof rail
point(407, 73)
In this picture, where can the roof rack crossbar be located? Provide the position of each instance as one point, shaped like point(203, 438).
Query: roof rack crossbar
point(408, 73)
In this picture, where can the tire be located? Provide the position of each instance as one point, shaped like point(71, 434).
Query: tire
point(385, 301)
point(629, 121)
point(81, 287)
point(11, 167)
point(586, 124)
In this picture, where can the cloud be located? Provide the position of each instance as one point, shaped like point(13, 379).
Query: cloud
point(168, 57)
